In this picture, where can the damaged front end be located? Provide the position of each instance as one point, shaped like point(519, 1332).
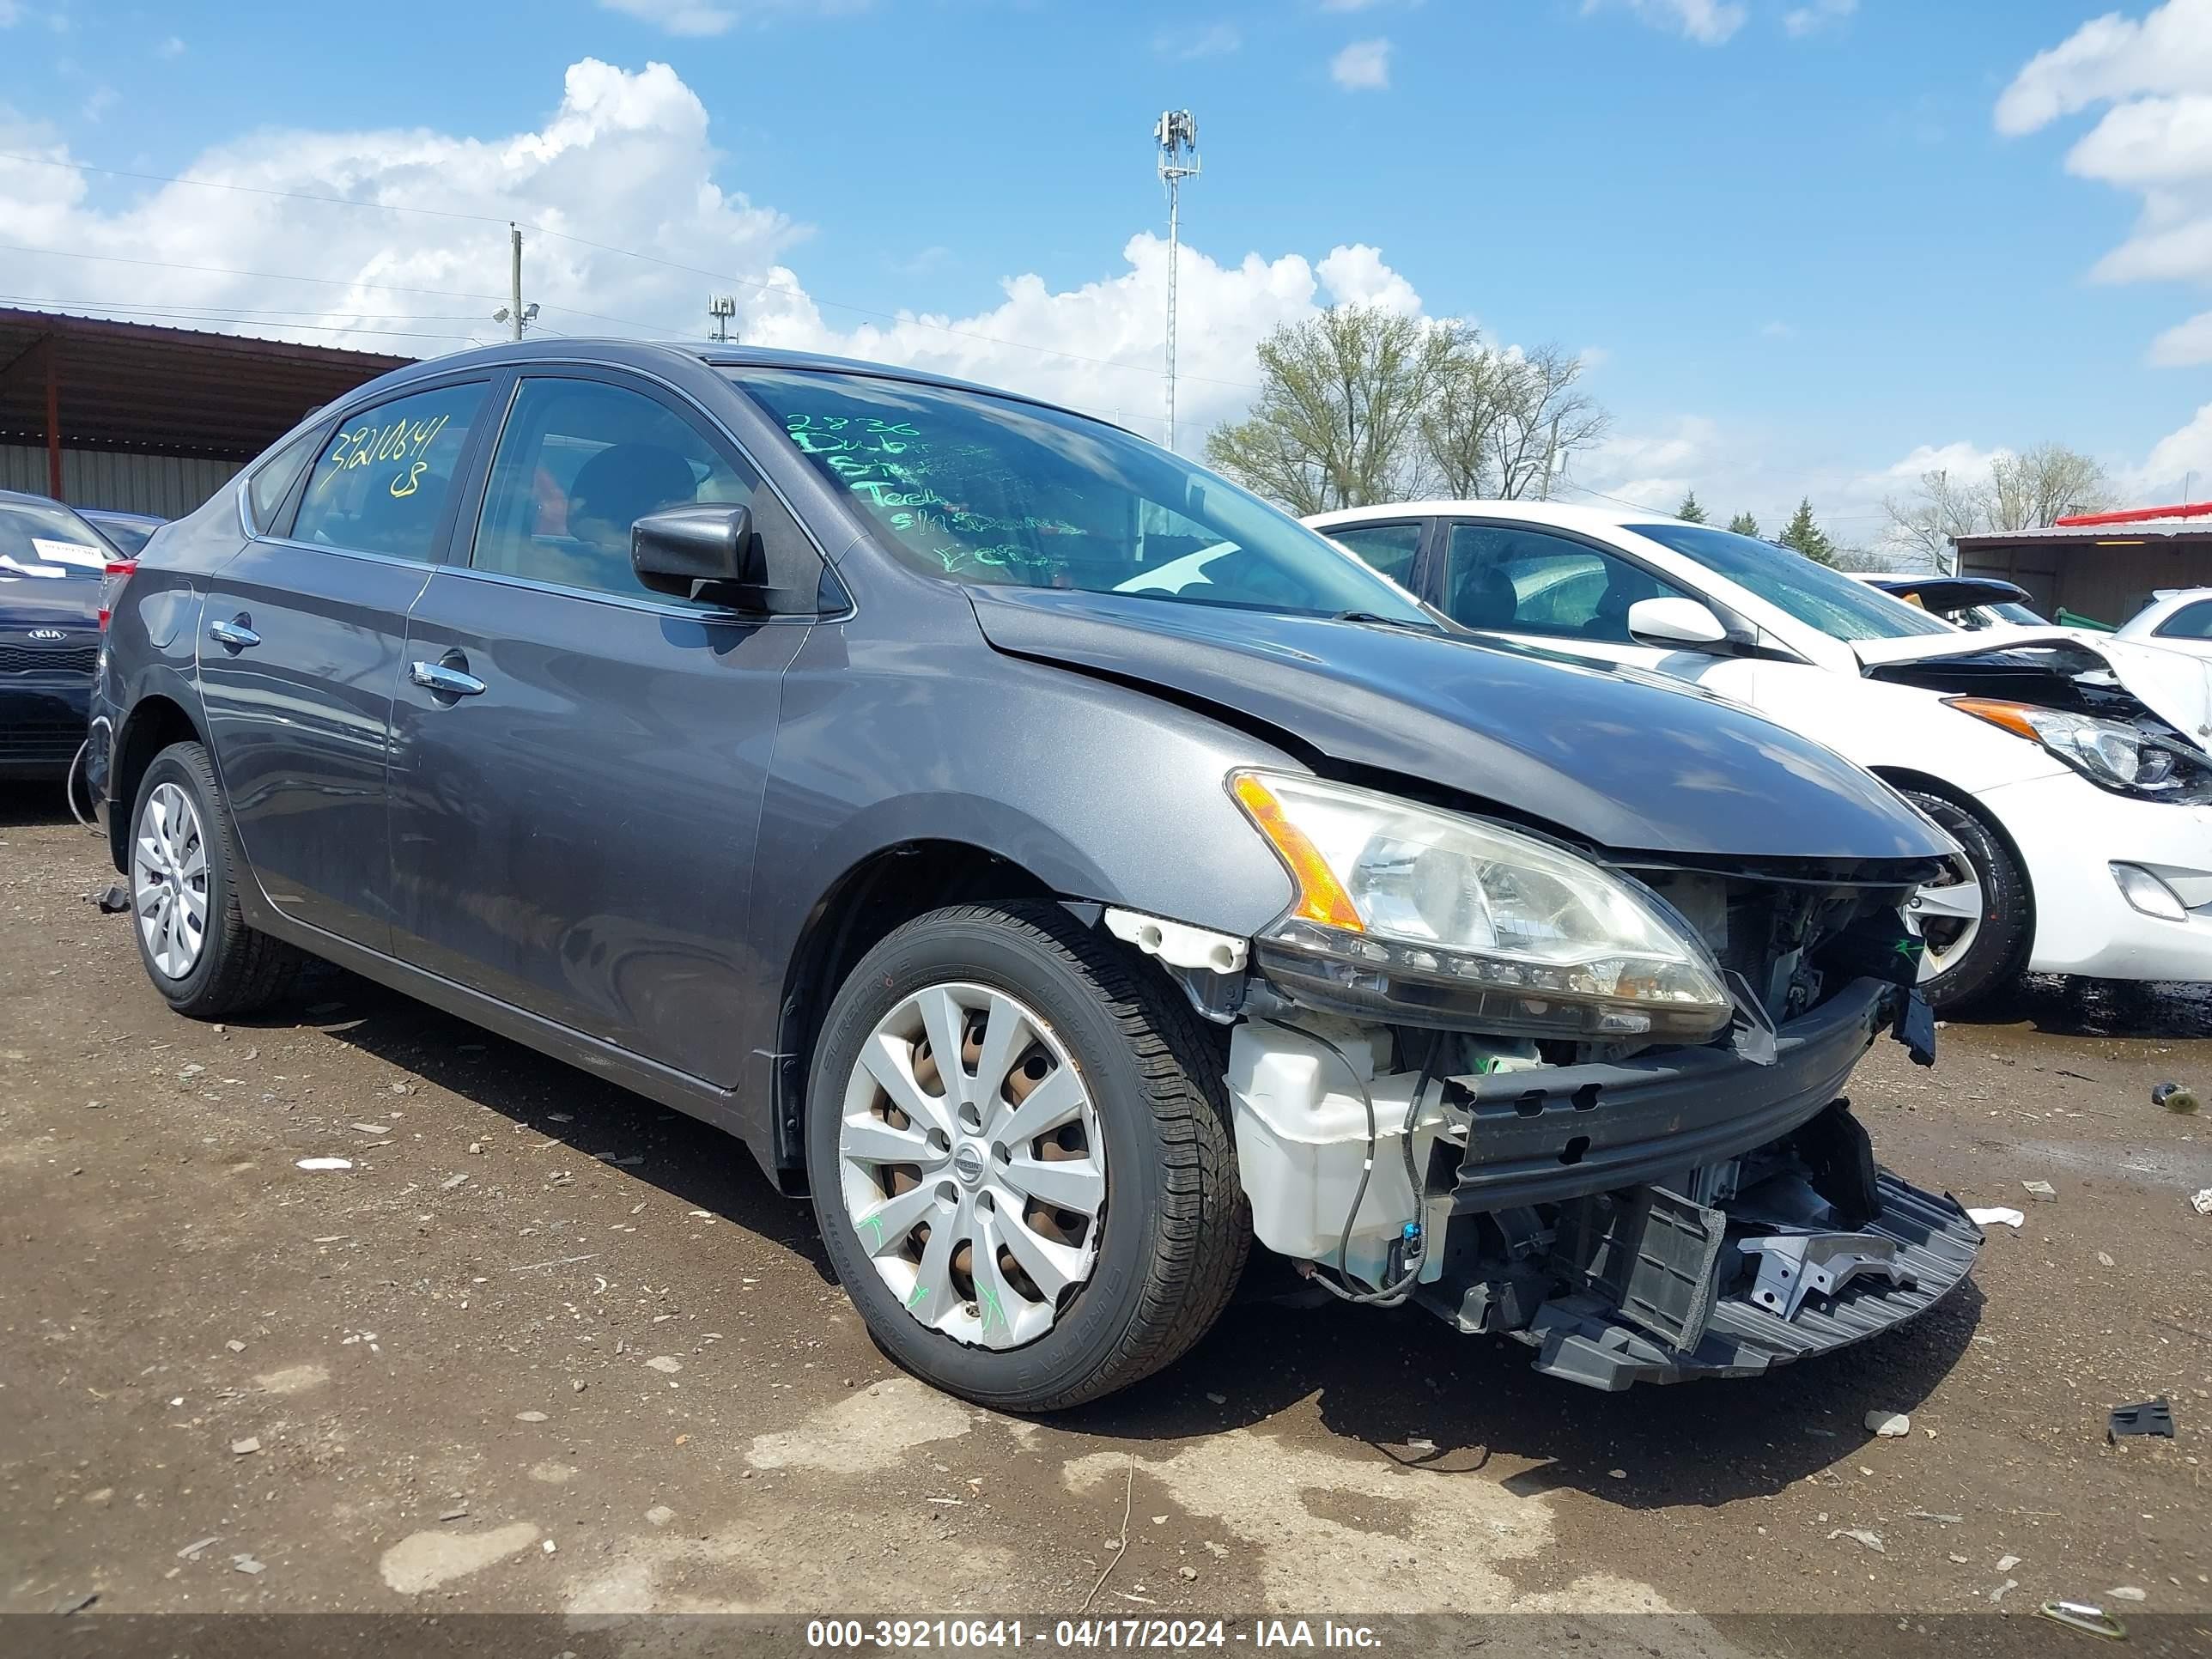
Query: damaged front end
point(1642, 1165)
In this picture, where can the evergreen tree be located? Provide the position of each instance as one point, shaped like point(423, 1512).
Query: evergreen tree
point(1690, 512)
point(1805, 537)
point(1744, 524)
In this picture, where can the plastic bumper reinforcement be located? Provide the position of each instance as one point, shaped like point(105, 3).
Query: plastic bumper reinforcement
point(1584, 1339)
point(1544, 1137)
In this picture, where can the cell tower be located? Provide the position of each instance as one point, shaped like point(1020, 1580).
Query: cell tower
point(1177, 138)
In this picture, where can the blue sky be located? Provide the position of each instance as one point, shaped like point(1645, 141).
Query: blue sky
point(1791, 232)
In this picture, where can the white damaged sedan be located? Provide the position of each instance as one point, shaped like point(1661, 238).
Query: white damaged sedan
point(2072, 770)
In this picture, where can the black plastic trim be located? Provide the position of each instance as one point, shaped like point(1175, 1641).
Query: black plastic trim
point(1544, 1137)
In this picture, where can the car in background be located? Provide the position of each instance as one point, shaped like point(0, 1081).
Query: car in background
point(52, 569)
point(2179, 619)
point(129, 531)
point(2072, 770)
point(801, 744)
point(1973, 603)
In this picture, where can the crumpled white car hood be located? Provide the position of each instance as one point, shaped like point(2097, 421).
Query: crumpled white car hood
point(2172, 685)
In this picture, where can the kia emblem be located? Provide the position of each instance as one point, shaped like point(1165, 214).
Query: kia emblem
point(48, 633)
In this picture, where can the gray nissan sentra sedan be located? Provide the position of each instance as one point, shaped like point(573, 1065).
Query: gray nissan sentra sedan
point(1064, 866)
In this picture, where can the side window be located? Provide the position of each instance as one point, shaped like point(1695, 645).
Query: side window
point(1390, 548)
point(380, 483)
point(2191, 622)
point(578, 463)
point(272, 481)
point(1509, 580)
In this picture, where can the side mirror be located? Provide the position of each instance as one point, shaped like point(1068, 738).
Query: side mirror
point(1676, 623)
point(674, 551)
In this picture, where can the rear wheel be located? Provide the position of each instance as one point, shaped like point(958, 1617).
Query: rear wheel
point(1976, 927)
point(184, 875)
point(1020, 1158)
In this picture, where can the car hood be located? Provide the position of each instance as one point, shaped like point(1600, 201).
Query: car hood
point(2173, 684)
point(1629, 761)
point(71, 602)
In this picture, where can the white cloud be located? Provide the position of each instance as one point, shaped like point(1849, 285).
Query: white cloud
point(171, 47)
point(1820, 15)
point(2153, 74)
point(1362, 66)
point(689, 17)
point(1212, 41)
point(1709, 23)
point(2184, 344)
point(626, 161)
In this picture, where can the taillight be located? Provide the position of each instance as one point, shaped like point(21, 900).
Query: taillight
point(116, 573)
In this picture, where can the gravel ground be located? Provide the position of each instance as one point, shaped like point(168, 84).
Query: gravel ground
point(549, 1348)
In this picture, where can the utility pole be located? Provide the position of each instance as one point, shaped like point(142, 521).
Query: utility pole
point(1551, 457)
point(514, 313)
point(721, 308)
point(1176, 136)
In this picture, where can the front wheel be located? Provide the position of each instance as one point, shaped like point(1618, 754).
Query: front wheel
point(1976, 929)
point(1021, 1161)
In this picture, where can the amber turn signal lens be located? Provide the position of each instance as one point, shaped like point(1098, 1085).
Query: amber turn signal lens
point(1321, 898)
point(2013, 716)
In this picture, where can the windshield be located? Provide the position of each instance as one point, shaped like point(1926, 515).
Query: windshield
point(978, 488)
point(1816, 595)
point(39, 539)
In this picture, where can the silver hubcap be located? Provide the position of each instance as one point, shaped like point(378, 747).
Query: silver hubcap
point(169, 882)
point(971, 1164)
point(1950, 917)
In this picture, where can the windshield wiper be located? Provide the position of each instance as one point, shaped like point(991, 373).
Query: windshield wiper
point(1422, 624)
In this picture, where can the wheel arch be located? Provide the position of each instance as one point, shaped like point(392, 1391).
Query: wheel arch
point(155, 722)
point(878, 893)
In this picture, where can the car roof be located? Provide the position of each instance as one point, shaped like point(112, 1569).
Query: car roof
point(1568, 515)
point(655, 355)
point(26, 498)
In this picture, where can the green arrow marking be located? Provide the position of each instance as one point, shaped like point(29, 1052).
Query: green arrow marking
point(920, 1294)
point(991, 1311)
point(874, 1224)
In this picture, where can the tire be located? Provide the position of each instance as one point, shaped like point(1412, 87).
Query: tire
point(1991, 948)
point(1171, 1226)
point(233, 970)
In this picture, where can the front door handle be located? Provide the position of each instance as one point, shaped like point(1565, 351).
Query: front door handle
point(235, 634)
point(443, 681)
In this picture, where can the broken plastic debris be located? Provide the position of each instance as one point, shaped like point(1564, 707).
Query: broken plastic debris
point(1889, 1425)
point(1860, 1534)
point(192, 1550)
point(244, 1564)
point(323, 1163)
point(2007, 1563)
point(2041, 1190)
point(2201, 1202)
point(1998, 1593)
point(241, 1448)
point(2127, 1593)
point(1996, 1216)
point(2175, 1097)
point(662, 1362)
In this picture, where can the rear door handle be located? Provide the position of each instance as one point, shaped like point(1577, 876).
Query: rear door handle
point(445, 682)
point(235, 634)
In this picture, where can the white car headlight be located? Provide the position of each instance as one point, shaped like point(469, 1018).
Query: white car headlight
point(1436, 913)
point(2109, 753)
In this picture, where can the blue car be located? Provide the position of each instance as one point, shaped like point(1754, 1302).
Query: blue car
point(52, 564)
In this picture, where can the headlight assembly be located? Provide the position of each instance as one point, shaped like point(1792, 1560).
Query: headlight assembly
point(2111, 754)
point(1405, 908)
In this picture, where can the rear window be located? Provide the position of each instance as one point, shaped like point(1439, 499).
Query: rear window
point(1816, 595)
point(40, 542)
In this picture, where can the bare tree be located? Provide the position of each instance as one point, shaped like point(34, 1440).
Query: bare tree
point(1339, 419)
point(1933, 515)
point(2026, 491)
point(1542, 420)
point(1462, 425)
point(2031, 490)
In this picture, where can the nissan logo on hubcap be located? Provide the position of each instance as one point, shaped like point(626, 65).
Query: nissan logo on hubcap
point(968, 1165)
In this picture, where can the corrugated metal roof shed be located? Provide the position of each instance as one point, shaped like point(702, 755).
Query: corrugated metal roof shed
point(148, 419)
point(2090, 535)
